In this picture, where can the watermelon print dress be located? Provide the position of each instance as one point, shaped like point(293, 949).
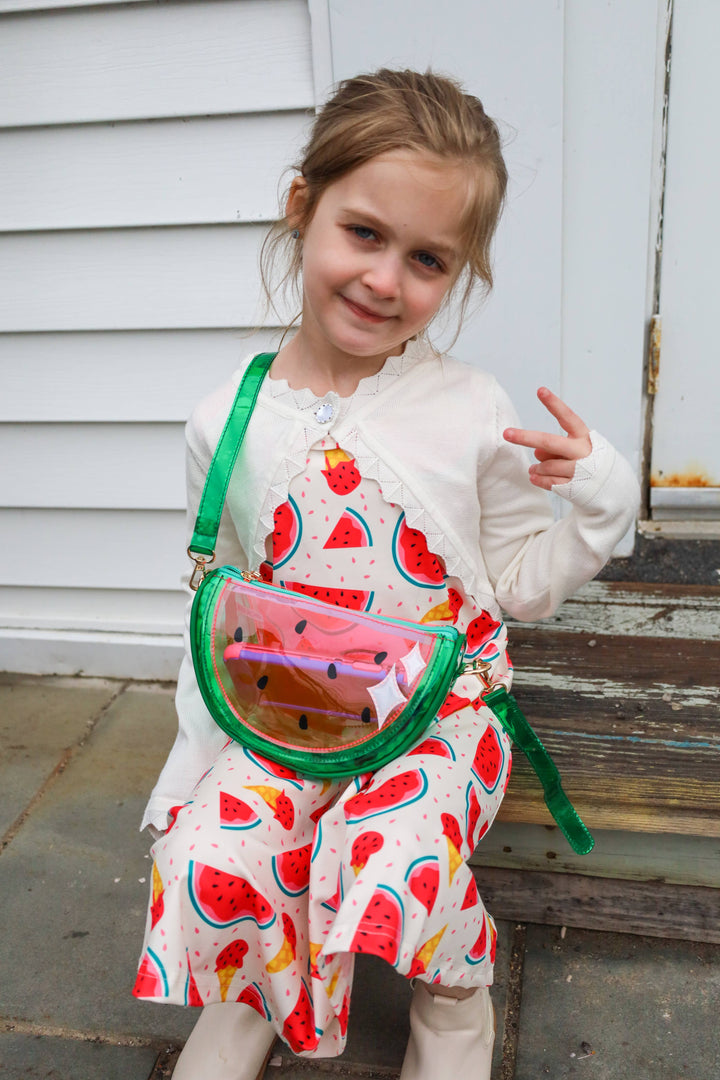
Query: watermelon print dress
point(268, 883)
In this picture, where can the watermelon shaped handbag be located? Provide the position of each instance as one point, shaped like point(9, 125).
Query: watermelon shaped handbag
point(328, 691)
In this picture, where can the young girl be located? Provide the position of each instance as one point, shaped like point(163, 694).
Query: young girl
point(403, 476)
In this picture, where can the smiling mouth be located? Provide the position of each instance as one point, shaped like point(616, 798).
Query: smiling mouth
point(363, 312)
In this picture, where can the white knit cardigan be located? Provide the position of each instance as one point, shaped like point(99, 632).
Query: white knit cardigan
point(429, 431)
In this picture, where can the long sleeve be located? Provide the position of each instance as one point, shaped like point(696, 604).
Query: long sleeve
point(534, 562)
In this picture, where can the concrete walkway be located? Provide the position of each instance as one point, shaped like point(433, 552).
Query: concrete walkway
point(77, 760)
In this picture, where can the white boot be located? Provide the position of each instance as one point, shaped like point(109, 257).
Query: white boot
point(449, 1036)
point(229, 1042)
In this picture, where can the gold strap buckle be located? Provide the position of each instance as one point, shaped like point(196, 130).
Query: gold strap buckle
point(198, 574)
point(479, 668)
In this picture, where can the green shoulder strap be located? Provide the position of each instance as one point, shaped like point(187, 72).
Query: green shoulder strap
point(212, 501)
point(518, 728)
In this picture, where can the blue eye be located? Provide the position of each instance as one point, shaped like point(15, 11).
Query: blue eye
point(426, 259)
point(363, 232)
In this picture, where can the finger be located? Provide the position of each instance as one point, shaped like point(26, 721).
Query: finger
point(557, 446)
point(554, 467)
point(567, 419)
point(547, 482)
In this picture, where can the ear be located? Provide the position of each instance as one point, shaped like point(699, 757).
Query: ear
point(296, 205)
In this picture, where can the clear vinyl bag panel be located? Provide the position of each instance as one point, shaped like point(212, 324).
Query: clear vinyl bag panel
point(317, 686)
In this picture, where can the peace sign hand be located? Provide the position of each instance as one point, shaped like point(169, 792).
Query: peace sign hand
point(556, 454)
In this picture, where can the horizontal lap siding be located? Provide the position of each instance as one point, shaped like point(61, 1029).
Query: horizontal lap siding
point(143, 147)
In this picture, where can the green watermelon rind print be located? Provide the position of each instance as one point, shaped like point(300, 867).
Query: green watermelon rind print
point(365, 755)
point(298, 523)
point(404, 570)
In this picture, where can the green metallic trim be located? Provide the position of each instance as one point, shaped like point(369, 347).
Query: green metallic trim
point(516, 724)
point(390, 741)
point(211, 505)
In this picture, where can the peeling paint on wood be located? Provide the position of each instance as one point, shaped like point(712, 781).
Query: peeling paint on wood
point(668, 858)
point(633, 724)
point(642, 609)
point(688, 912)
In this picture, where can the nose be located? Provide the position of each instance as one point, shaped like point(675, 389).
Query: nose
point(383, 274)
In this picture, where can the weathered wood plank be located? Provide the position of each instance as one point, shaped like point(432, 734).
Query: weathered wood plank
point(632, 723)
point(642, 609)
point(688, 912)
point(667, 857)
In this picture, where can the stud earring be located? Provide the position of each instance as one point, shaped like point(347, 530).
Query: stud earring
point(295, 234)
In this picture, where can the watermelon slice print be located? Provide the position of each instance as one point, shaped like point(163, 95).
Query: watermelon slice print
point(299, 1028)
point(480, 631)
point(236, 814)
point(471, 895)
point(413, 560)
point(291, 870)
point(152, 980)
point(474, 811)
point(351, 531)
point(192, 994)
point(222, 899)
point(434, 746)
point(380, 928)
point(394, 794)
point(423, 878)
point(287, 532)
point(274, 768)
point(489, 760)
point(252, 995)
point(480, 949)
point(353, 599)
point(452, 703)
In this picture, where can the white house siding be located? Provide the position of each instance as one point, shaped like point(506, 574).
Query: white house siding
point(141, 146)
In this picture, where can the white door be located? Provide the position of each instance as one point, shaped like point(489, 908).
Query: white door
point(685, 474)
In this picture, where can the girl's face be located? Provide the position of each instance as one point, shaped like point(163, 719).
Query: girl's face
point(379, 256)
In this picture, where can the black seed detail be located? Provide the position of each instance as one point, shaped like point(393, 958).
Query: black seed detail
point(299, 629)
point(303, 722)
point(238, 635)
point(262, 682)
point(332, 671)
point(365, 715)
point(379, 657)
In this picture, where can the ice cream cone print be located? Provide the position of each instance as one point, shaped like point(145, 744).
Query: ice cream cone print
point(425, 953)
point(227, 963)
point(438, 613)
point(330, 988)
point(315, 947)
point(278, 802)
point(286, 954)
point(158, 904)
point(334, 457)
point(225, 977)
point(454, 858)
point(268, 794)
point(451, 831)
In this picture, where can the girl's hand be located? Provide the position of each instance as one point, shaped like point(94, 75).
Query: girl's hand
point(556, 454)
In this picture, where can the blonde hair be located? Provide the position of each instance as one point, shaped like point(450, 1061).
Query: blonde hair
point(390, 110)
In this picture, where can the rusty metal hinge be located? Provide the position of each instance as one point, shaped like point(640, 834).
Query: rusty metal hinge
point(655, 340)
